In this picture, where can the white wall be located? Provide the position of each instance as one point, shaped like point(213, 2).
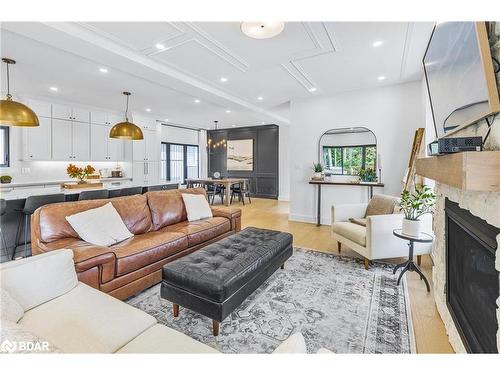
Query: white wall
point(284, 163)
point(392, 113)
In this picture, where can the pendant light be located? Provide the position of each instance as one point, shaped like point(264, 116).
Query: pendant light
point(221, 143)
point(126, 129)
point(13, 113)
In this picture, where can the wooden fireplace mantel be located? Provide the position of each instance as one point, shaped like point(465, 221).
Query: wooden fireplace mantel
point(478, 171)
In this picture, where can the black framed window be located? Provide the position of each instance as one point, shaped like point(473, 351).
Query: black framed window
point(4, 146)
point(179, 161)
point(348, 160)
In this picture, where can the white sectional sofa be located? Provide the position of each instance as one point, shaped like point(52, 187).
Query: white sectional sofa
point(43, 301)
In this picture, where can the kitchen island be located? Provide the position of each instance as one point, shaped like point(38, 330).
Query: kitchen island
point(16, 195)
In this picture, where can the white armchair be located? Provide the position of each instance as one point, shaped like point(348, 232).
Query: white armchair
point(376, 240)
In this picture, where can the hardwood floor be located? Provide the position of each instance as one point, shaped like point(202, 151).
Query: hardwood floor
point(430, 334)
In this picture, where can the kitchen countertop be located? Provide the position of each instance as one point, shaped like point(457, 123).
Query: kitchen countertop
point(59, 182)
point(56, 189)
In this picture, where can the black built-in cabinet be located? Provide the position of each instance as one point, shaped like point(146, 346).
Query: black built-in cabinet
point(264, 179)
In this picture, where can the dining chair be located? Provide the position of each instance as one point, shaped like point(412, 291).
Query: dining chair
point(241, 190)
point(214, 189)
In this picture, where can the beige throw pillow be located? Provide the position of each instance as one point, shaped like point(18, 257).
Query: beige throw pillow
point(381, 205)
point(197, 207)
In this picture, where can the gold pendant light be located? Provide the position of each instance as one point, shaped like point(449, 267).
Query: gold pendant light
point(13, 113)
point(126, 129)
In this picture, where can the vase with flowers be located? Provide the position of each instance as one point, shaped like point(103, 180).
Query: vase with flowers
point(79, 173)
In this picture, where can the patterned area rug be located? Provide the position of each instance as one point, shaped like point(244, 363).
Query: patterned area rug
point(331, 299)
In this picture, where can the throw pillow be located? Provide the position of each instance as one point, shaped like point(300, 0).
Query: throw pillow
point(197, 207)
point(100, 226)
point(10, 309)
point(381, 205)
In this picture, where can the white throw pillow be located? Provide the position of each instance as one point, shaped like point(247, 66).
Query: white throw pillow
point(10, 309)
point(294, 344)
point(197, 207)
point(101, 226)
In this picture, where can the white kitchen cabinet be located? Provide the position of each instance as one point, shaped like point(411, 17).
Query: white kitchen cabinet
point(103, 118)
point(65, 112)
point(102, 147)
point(37, 141)
point(70, 140)
point(149, 148)
point(146, 172)
point(81, 140)
point(62, 148)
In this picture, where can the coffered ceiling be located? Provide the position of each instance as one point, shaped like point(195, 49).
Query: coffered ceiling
point(192, 73)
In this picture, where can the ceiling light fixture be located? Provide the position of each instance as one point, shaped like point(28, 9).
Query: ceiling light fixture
point(228, 111)
point(148, 109)
point(377, 43)
point(55, 89)
point(103, 70)
point(381, 78)
point(126, 129)
point(260, 98)
point(159, 46)
point(262, 123)
point(262, 30)
point(13, 113)
point(223, 79)
point(197, 101)
point(233, 126)
point(312, 89)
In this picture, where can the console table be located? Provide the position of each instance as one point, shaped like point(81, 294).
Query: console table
point(319, 183)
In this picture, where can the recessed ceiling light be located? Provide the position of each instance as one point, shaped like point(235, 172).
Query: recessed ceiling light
point(228, 111)
point(148, 109)
point(103, 70)
point(166, 120)
point(262, 30)
point(381, 78)
point(312, 89)
point(197, 100)
point(233, 126)
point(262, 123)
point(377, 43)
point(55, 89)
point(159, 46)
point(223, 79)
point(260, 98)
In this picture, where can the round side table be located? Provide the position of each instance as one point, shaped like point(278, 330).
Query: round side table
point(409, 265)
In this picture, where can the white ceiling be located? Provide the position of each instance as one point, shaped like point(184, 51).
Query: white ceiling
point(329, 56)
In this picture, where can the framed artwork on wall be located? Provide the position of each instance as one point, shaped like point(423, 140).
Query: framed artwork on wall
point(240, 155)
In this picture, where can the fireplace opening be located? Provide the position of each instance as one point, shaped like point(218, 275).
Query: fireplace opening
point(472, 283)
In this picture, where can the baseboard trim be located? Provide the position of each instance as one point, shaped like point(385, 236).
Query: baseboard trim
point(308, 219)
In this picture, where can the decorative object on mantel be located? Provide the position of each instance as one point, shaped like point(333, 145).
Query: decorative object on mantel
point(79, 173)
point(126, 129)
point(468, 171)
point(368, 175)
point(5, 179)
point(13, 113)
point(318, 171)
point(415, 205)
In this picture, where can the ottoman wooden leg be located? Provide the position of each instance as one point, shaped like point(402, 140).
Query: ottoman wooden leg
point(283, 266)
point(176, 310)
point(215, 327)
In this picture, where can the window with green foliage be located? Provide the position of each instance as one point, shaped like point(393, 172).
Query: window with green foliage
point(348, 160)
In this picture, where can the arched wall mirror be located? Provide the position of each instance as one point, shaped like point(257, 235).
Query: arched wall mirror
point(345, 151)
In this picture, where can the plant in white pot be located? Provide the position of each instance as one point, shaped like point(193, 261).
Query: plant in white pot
point(414, 205)
point(318, 171)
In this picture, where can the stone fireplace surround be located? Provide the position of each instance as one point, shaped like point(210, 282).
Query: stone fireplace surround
point(483, 205)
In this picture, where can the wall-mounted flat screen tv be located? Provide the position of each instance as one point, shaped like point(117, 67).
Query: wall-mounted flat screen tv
point(459, 75)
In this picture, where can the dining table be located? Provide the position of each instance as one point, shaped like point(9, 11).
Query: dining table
point(226, 182)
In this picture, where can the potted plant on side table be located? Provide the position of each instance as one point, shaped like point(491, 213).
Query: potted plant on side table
point(414, 205)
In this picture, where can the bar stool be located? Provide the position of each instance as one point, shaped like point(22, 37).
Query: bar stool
point(30, 205)
point(130, 191)
point(93, 194)
point(3, 211)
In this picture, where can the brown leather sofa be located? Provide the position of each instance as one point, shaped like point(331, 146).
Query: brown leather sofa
point(161, 231)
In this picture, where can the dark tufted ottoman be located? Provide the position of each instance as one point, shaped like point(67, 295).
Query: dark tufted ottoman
point(216, 279)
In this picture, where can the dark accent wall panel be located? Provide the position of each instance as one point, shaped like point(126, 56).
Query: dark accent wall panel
point(264, 180)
